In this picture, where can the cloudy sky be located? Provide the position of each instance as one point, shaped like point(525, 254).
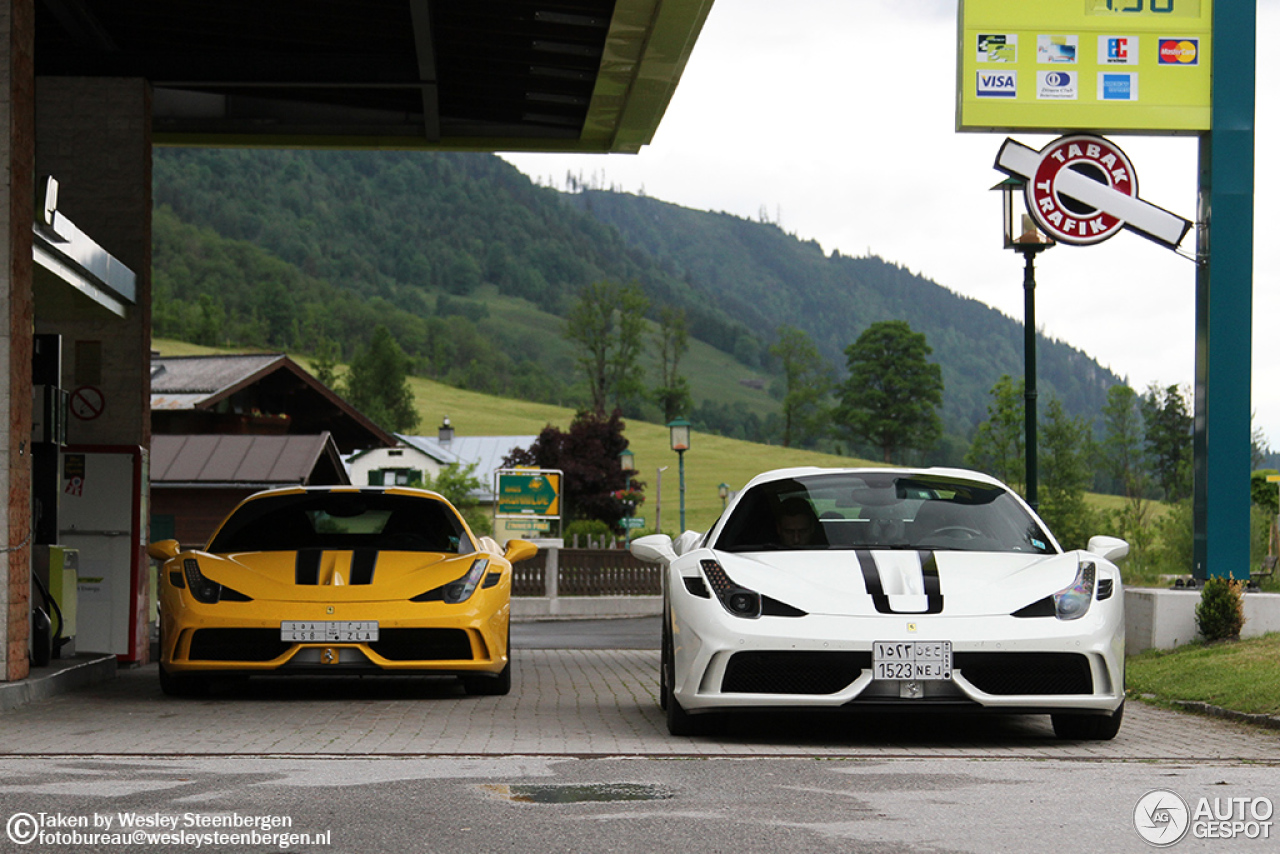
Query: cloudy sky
point(838, 118)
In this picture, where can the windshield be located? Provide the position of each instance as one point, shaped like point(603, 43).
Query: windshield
point(881, 511)
point(342, 520)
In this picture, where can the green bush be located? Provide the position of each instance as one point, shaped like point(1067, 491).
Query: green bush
point(587, 530)
point(1220, 614)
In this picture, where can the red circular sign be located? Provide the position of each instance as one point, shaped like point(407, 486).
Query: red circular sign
point(1064, 217)
point(86, 402)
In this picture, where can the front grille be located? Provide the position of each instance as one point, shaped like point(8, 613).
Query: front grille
point(237, 645)
point(793, 672)
point(1006, 673)
point(423, 645)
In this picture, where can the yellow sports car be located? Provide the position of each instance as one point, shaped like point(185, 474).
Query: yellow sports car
point(341, 581)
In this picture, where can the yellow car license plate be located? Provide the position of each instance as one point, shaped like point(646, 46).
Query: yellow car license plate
point(328, 631)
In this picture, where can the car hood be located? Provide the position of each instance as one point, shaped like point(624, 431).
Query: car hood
point(316, 575)
point(869, 582)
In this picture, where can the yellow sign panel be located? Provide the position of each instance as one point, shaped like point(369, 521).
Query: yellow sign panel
point(1105, 66)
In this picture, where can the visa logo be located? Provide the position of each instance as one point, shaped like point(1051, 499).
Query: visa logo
point(997, 84)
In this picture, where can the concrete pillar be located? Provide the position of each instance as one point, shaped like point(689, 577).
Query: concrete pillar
point(94, 136)
point(17, 27)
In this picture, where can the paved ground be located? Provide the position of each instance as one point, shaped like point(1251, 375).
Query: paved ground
point(566, 702)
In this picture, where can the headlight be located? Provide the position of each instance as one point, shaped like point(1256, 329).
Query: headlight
point(459, 590)
point(1072, 603)
point(738, 601)
point(204, 589)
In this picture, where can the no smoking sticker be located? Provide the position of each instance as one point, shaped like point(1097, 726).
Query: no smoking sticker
point(87, 402)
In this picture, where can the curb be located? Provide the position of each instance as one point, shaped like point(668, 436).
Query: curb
point(1268, 721)
point(61, 676)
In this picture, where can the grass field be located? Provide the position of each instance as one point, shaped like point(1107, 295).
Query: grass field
point(1240, 675)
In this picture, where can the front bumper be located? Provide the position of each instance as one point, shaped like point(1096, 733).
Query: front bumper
point(1039, 664)
point(414, 638)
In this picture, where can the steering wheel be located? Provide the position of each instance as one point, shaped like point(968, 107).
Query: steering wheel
point(957, 532)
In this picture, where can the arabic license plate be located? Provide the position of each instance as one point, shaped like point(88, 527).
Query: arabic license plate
point(328, 631)
point(913, 660)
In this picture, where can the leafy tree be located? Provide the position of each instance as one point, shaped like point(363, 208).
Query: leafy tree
point(459, 484)
point(377, 384)
point(588, 455)
point(1123, 459)
point(1124, 443)
point(1065, 475)
point(606, 324)
point(1167, 417)
point(325, 362)
point(892, 396)
point(672, 338)
point(805, 383)
point(999, 444)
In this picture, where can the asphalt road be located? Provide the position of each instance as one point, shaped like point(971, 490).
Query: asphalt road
point(577, 759)
point(628, 633)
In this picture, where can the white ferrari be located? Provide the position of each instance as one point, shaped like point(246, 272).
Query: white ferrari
point(923, 589)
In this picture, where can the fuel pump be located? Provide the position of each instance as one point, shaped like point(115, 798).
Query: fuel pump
point(54, 572)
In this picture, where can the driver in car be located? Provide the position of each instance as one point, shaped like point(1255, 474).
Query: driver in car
point(797, 523)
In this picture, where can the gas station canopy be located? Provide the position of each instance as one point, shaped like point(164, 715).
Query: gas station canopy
point(492, 75)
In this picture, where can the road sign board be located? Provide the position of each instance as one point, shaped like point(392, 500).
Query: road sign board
point(537, 525)
point(633, 522)
point(528, 492)
point(1082, 189)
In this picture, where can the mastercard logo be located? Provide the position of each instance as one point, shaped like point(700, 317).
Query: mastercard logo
point(1180, 52)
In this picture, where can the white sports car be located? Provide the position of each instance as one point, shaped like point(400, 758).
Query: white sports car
point(923, 589)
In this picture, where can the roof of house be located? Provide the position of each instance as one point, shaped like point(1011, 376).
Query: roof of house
point(240, 460)
point(202, 383)
point(487, 452)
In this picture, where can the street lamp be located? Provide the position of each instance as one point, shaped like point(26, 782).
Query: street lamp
point(680, 443)
point(627, 460)
point(1022, 236)
point(724, 495)
point(657, 504)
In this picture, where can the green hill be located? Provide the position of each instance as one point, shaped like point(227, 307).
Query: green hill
point(472, 267)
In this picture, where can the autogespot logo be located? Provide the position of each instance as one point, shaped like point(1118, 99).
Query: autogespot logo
point(1161, 818)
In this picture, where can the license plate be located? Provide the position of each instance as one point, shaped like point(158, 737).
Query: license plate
point(913, 660)
point(328, 631)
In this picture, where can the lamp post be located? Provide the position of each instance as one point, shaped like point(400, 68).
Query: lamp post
point(724, 495)
point(1022, 236)
point(627, 460)
point(680, 443)
point(657, 504)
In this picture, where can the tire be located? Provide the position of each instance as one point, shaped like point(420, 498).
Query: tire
point(182, 684)
point(665, 667)
point(1088, 727)
point(484, 685)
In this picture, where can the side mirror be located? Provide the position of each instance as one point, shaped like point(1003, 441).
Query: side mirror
point(654, 548)
point(686, 541)
point(1113, 549)
point(518, 550)
point(163, 550)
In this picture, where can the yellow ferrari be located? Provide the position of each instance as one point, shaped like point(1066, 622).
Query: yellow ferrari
point(338, 581)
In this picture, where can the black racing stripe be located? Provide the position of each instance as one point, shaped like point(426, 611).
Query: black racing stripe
point(871, 578)
point(306, 569)
point(932, 583)
point(362, 564)
point(875, 589)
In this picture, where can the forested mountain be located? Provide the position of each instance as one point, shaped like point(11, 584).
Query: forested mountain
point(765, 277)
point(468, 263)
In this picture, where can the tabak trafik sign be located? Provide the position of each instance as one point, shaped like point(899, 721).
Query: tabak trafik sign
point(1082, 189)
